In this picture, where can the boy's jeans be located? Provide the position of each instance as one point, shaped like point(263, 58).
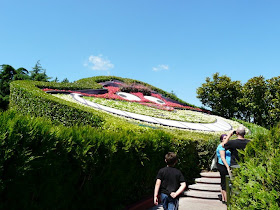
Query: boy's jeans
point(168, 202)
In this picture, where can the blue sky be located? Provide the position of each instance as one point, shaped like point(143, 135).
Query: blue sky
point(171, 44)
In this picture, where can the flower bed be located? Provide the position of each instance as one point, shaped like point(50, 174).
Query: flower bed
point(180, 115)
point(168, 106)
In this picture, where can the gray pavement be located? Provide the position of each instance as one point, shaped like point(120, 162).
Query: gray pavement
point(203, 195)
point(187, 203)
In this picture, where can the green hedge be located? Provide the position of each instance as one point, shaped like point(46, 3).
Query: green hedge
point(27, 97)
point(257, 183)
point(46, 166)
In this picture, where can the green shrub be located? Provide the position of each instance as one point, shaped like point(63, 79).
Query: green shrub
point(46, 166)
point(257, 183)
point(26, 97)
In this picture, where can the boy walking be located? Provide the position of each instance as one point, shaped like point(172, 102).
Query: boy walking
point(170, 183)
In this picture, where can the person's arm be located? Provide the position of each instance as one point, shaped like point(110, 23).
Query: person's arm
point(227, 139)
point(179, 191)
point(157, 186)
point(223, 157)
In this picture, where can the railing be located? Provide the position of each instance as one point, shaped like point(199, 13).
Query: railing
point(229, 191)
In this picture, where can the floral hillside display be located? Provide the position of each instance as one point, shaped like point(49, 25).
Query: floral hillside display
point(143, 95)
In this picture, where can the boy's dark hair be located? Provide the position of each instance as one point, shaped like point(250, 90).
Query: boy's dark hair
point(171, 158)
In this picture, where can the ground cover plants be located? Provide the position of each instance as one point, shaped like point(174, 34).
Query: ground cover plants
point(113, 90)
point(141, 93)
point(92, 81)
point(177, 114)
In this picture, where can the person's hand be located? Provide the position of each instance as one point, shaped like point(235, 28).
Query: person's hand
point(156, 200)
point(229, 172)
point(233, 132)
point(173, 195)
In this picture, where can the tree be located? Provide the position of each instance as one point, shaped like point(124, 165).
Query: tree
point(55, 80)
point(38, 73)
point(65, 80)
point(221, 95)
point(7, 75)
point(273, 98)
point(21, 74)
point(255, 100)
point(173, 93)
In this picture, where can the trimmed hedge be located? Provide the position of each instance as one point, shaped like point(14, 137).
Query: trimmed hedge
point(26, 97)
point(257, 183)
point(46, 166)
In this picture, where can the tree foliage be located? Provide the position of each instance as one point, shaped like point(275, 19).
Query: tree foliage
point(38, 73)
point(254, 99)
point(221, 95)
point(65, 81)
point(257, 101)
point(7, 75)
point(273, 96)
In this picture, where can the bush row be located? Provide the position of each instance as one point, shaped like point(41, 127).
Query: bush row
point(257, 183)
point(46, 166)
point(67, 86)
point(27, 97)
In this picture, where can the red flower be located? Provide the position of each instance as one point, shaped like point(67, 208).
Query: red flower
point(169, 106)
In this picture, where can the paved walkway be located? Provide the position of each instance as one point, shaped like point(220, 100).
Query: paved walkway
point(219, 125)
point(186, 203)
point(203, 195)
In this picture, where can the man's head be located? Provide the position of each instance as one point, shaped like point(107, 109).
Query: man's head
point(241, 131)
point(171, 158)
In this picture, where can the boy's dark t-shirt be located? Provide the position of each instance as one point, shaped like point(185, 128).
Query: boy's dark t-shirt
point(233, 146)
point(170, 179)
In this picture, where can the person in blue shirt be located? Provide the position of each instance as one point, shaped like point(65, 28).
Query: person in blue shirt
point(223, 164)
